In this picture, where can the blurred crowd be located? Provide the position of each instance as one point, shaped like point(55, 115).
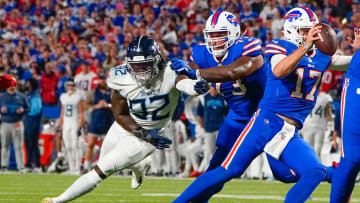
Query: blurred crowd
point(45, 42)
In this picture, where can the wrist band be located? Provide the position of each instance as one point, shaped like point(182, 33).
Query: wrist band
point(197, 74)
point(307, 47)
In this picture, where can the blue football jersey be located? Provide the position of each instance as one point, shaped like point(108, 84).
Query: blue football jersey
point(242, 96)
point(353, 70)
point(293, 96)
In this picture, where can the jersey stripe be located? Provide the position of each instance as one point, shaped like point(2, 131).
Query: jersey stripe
point(275, 46)
point(342, 109)
point(238, 142)
point(215, 17)
point(258, 47)
point(252, 43)
point(273, 51)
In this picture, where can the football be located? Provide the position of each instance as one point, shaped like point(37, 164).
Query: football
point(327, 43)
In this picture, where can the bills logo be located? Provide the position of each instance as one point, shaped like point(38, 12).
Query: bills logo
point(232, 19)
point(293, 16)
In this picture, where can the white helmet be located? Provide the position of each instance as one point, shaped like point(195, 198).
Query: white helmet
point(227, 26)
point(295, 20)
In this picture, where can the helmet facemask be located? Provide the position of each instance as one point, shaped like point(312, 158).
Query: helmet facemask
point(143, 69)
point(217, 42)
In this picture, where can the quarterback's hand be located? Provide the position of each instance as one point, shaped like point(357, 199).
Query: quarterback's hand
point(181, 67)
point(153, 138)
point(201, 87)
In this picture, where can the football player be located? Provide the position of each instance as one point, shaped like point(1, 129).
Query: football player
point(144, 100)
point(290, 94)
point(349, 167)
point(71, 119)
point(239, 74)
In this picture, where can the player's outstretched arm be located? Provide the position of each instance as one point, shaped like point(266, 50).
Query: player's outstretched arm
point(191, 87)
point(122, 117)
point(240, 68)
point(288, 63)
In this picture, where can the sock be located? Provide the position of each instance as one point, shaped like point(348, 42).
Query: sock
point(343, 180)
point(203, 183)
point(81, 186)
point(307, 183)
point(87, 165)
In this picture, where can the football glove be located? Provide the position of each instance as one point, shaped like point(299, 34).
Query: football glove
point(201, 87)
point(152, 137)
point(181, 67)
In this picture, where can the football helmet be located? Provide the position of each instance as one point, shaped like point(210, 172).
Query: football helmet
point(295, 20)
point(221, 30)
point(142, 59)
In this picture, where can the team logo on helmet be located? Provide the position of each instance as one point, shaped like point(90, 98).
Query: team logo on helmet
point(232, 19)
point(292, 16)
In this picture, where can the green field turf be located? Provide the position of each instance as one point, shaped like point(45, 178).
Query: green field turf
point(32, 188)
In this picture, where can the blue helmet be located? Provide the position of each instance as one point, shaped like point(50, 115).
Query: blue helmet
point(143, 58)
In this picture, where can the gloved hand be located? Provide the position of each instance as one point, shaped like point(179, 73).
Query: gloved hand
point(181, 67)
point(152, 137)
point(7, 81)
point(201, 87)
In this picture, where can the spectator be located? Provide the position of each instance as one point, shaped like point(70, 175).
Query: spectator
point(32, 126)
point(48, 86)
point(63, 77)
point(212, 113)
point(101, 118)
point(269, 10)
point(14, 105)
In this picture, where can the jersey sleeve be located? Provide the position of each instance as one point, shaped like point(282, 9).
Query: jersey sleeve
point(252, 47)
point(273, 48)
point(62, 98)
point(198, 56)
point(115, 77)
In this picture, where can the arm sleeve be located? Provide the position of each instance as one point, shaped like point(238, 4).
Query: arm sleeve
point(187, 86)
point(275, 59)
point(338, 60)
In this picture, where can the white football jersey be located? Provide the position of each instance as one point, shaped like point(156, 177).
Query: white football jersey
point(150, 108)
point(317, 116)
point(71, 107)
point(83, 83)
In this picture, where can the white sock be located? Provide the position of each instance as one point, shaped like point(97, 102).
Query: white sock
point(87, 165)
point(81, 186)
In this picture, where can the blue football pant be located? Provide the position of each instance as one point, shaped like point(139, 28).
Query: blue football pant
point(298, 155)
point(345, 174)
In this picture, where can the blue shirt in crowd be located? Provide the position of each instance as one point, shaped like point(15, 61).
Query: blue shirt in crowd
point(35, 103)
point(12, 102)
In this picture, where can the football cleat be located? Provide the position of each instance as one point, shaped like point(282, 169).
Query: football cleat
point(138, 176)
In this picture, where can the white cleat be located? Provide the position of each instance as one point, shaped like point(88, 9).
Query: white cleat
point(138, 176)
point(47, 200)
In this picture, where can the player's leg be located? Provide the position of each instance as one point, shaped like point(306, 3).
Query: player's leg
point(91, 141)
point(18, 139)
point(228, 133)
point(300, 157)
point(281, 171)
point(319, 141)
point(209, 149)
point(5, 144)
point(138, 172)
point(248, 146)
point(75, 148)
point(345, 174)
point(126, 151)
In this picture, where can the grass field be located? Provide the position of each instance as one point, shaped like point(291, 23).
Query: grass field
point(32, 188)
